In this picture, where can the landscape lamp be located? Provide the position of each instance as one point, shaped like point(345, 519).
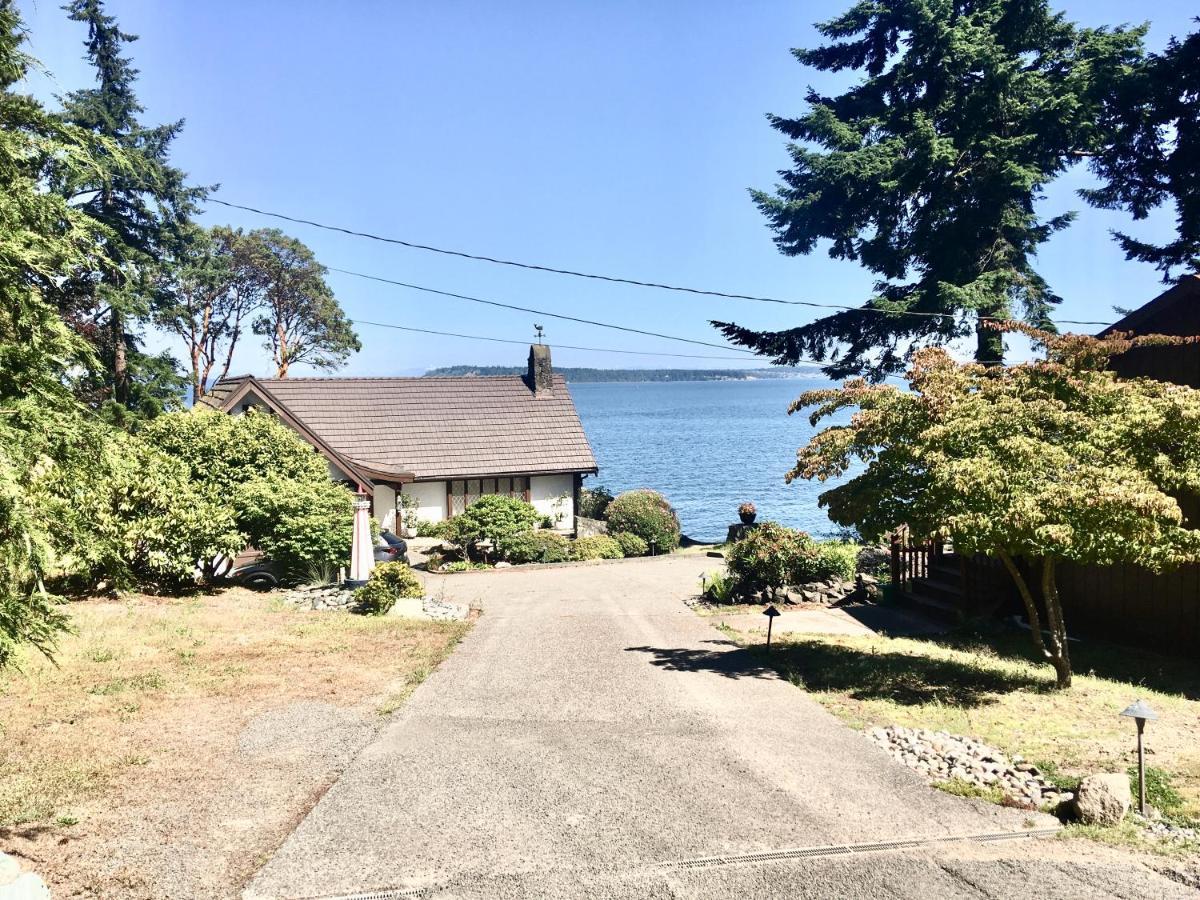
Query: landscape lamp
point(1139, 711)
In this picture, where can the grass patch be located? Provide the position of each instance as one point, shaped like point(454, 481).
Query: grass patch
point(987, 685)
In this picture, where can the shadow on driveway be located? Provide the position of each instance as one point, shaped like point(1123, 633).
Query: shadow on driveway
point(729, 659)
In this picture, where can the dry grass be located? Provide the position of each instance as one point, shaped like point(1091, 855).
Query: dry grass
point(990, 687)
point(208, 723)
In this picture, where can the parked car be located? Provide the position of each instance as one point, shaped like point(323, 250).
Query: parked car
point(260, 575)
point(390, 548)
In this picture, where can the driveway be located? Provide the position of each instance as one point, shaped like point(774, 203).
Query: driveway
point(593, 737)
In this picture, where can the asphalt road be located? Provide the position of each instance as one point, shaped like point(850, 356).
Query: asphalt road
point(592, 735)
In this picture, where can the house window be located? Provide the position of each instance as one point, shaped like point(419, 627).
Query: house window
point(465, 491)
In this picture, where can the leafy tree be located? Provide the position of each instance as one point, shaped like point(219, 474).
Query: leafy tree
point(298, 523)
point(303, 322)
point(1153, 117)
point(927, 171)
point(222, 451)
point(493, 517)
point(1047, 461)
point(214, 287)
point(141, 200)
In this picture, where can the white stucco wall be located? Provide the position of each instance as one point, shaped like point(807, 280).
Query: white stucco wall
point(431, 495)
point(546, 493)
point(384, 508)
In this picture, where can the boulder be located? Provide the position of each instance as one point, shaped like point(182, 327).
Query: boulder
point(1103, 799)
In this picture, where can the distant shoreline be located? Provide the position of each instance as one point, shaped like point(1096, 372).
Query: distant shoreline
point(631, 376)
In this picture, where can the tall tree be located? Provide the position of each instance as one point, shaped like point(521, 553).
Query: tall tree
point(302, 322)
point(1153, 117)
point(214, 288)
point(928, 170)
point(144, 203)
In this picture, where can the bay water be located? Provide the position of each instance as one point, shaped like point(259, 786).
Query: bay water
point(706, 445)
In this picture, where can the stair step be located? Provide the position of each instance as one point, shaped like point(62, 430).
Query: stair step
point(937, 587)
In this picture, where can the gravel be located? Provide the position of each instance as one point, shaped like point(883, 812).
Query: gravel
point(941, 756)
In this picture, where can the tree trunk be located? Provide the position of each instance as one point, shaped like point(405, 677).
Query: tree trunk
point(281, 351)
point(989, 344)
point(120, 363)
point(1056, 651)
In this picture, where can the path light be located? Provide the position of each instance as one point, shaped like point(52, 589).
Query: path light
point(1140, 711)
point(770, 612)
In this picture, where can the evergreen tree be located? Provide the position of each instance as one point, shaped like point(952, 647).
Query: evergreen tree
point(927, 171)
point(143, 202)
point(1153, 115)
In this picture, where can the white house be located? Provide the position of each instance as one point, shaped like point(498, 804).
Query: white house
point(443, 441)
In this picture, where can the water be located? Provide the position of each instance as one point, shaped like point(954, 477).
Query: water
point(706, 445)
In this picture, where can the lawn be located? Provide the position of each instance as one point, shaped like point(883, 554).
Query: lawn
point(174, 743)
point(988, 686)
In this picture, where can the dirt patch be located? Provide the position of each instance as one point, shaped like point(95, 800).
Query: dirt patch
point(177, 742)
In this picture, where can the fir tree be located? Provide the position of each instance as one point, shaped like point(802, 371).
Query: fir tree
point(144, 203)
point(1153, 116)
point(928, 170)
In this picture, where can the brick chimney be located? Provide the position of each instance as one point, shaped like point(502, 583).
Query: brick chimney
point(540, 376)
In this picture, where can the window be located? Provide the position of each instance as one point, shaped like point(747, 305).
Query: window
point(461, 493)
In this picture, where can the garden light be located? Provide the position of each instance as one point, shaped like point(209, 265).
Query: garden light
point(1139, 711)
point(770, 612)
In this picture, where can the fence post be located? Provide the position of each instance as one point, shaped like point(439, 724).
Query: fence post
point(896, 578)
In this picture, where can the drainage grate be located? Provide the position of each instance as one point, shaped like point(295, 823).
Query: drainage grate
point(706, 862)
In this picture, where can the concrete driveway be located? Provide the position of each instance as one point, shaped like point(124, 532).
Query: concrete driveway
point(593, 737)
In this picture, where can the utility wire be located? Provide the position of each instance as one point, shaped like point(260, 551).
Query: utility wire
point(480, 337)
point(539, 312)
point(614, 279)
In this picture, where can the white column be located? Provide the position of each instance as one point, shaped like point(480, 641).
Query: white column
point(362, 552)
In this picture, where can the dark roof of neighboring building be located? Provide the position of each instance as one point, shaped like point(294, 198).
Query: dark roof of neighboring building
point(432, 428)
point(1175, 311)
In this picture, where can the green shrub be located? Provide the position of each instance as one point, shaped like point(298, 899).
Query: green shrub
point(767, 558)
point(387, 584)
point(297, 524)
point(536, 547)
point(647, 514)
point(599, 546)
point(443, 530)
point(631, 544)
point(834, 559)
point(493, 517)
point(719, 587)
point(461, 565)
point(593, 502)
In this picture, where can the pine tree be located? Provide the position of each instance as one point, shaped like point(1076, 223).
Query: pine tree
point(143, 201)
point(927, 171)
point(1153, 116)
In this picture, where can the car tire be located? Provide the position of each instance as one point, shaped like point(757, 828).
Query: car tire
point(260, 581)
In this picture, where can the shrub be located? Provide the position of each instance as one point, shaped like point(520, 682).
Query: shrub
point(647, 514)
point(493, 517)
point(631, 544)
point(598, 546)
point(461, 565)
point(719, 587)
point(387, 584)
point(594, 501)
point(443, 530)
point(536, 547)
point(296, 523)
point(767, 558)
point(821, 561)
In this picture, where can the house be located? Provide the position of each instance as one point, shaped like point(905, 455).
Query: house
point(1176, 312)
point(444, 442)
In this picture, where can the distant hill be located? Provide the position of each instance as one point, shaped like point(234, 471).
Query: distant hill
point(580, 375)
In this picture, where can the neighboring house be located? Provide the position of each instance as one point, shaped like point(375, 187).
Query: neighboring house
point(444, 441)
point(1176, 312)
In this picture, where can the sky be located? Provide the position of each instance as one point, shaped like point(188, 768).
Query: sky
point(618, 138)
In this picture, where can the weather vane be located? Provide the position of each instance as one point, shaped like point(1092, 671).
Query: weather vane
point(539, 332)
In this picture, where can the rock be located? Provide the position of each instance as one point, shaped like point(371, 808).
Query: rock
point(1103, 799)
point(503, 565)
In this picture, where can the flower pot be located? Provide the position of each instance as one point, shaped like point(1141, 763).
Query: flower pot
point(747, 518)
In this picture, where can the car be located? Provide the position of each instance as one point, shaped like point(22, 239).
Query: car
point(259, 575)
point(390, 548)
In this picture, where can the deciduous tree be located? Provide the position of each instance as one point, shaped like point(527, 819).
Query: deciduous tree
point(303, 322)
point(1047, 461)
point(927, 171)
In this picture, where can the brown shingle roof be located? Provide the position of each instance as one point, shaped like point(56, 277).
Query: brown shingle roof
point(440, 427)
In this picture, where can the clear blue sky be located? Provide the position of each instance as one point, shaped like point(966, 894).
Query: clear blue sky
point(618, 137)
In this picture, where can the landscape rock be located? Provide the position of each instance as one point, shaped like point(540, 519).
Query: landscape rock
point(1103, 799)
point(940, 756)
point(10, 869)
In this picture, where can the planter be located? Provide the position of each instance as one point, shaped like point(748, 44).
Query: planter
point(747, 518)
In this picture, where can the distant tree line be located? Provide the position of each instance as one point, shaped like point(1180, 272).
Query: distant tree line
point(585, 375)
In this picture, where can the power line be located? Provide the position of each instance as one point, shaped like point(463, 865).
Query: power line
point(614, 279)
point(480, 337)
point(539, 312)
